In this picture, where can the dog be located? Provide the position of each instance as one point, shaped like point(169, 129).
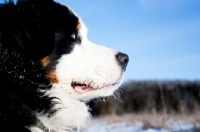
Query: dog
point(49, 69)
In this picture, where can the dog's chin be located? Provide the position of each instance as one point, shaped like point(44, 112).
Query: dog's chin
point(86, 90)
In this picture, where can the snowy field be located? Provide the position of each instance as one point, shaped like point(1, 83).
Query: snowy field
point(105, 125)
point(181, 126)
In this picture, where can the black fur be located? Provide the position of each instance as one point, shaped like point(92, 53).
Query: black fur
point(29, 31)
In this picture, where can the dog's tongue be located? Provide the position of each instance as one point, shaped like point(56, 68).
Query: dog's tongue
point(81, 89)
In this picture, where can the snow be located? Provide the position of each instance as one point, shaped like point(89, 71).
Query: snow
point(170, 126)
point(180, 125)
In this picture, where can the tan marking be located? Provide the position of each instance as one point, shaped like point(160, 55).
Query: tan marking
point(45, 61)
point(78, 25)
point(52, 77)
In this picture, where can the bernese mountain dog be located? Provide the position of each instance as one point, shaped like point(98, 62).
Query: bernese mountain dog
point(49, 69)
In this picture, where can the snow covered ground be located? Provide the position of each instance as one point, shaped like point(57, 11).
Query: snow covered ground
point(181, 126)
point(104, 125)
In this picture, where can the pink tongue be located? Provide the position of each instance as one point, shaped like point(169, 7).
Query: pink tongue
point(81, 89)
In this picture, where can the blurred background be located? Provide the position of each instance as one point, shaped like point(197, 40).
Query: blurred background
point(161, 89)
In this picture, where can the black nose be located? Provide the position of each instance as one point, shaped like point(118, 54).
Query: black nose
point(122, 59)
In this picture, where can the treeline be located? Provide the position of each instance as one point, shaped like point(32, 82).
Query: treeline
point(151, 96)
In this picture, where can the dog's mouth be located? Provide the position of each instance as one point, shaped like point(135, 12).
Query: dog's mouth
point(80, 87)
point(84, 87)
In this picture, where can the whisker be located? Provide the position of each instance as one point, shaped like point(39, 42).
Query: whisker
point(117, 97)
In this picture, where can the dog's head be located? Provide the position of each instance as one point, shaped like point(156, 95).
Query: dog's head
point(54, 37)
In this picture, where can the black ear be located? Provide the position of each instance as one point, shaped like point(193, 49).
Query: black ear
point(29, 25)
point(35, 27)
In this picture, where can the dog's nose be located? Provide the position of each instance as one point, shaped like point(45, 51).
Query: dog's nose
point(122, 59)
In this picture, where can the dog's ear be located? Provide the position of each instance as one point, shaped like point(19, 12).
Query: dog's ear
point(30, 25)
point(34, 27)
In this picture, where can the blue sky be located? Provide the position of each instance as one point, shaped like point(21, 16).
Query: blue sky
point(161, 37)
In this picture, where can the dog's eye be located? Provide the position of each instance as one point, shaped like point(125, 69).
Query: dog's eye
point(76, 37)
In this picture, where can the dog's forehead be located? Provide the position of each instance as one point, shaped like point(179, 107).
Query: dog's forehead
point(80, 25)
